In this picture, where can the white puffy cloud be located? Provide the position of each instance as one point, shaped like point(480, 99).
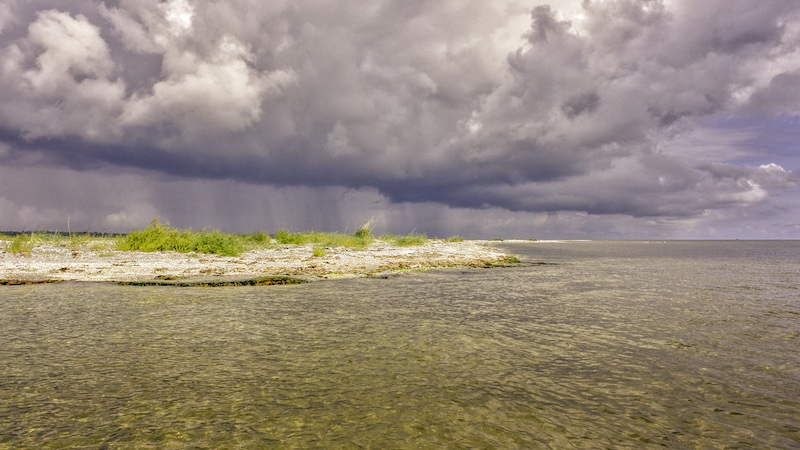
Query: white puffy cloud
point(208, 83)
point(198, 95)
point(133, 33)
point(59, 80)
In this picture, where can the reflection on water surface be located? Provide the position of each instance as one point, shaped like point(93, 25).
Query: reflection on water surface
point(687, 345)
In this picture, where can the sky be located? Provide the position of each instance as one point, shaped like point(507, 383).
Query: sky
point(560, 119)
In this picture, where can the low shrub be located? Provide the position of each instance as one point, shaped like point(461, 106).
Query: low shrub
point(283, 236)
point(161, 237)
point(218, 243)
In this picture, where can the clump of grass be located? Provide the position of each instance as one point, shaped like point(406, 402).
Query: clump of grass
point(504, 261)
point(319, 251)
point(103, 246)
point(366, 230)
point(283, 236)
point(454, 239)
point(218, 243)
point(360, 239)
point(405, 241)
point(162, 237)
point(259, 238)
point(77, 240)
point(322, 239)
point(22, 244)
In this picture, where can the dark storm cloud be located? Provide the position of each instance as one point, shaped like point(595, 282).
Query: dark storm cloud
point(423, 101)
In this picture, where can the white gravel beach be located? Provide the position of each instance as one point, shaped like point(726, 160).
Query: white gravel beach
point(92, 262)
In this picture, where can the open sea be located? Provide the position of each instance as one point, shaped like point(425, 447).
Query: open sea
point(589, 345)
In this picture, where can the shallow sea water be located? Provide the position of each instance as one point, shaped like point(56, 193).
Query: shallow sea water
point(584, 345)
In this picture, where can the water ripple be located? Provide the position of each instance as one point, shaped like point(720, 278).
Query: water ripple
point(608, 347)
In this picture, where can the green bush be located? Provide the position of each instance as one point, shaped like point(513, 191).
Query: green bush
point(283, 236)
point(218, 243)
point(161, 237)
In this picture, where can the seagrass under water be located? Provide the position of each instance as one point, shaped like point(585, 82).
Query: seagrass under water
point(608, 345)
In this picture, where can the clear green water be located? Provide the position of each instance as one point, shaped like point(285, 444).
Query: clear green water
point(610, 345)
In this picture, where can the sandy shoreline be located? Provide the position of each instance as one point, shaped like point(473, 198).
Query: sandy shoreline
point(89, 263)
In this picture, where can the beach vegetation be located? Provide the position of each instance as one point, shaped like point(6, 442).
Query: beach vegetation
point(217, 242)
point(405, 241)
point(162, 237)
point(504, 261)
point(22, 244)
point(259, 239)
point(75, 240)
point(323, 239)
point(283, 236)
point(365, 231)
point(104, 245)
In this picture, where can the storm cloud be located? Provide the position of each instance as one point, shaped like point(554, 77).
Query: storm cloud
point(601, 118)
